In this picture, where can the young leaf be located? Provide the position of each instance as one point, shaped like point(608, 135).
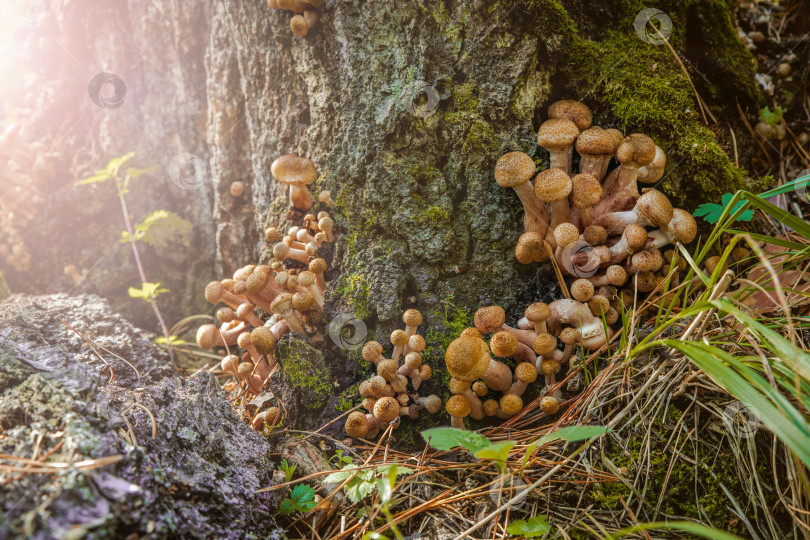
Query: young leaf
point(498, 451)
point(115, 164)
point(159, 228)
point(173, 340)
point(447, 438)
point(711, 212)
point(301, 499)
point(99, 176)
point(148, 291)
point(536, 526)
point(133, 172)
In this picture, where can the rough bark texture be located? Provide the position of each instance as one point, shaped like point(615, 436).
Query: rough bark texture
point(404, 107)
point(196, 478)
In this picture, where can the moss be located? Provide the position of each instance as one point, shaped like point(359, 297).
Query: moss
point(355, 292)
point(304, 372)
point(349, 398)
point(453, 320)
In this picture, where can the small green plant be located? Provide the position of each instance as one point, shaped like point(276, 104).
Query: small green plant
point(301, 499)
point(711, 212)
point(340, 458)
point(771, 117)
point(362, 483)
point(158, 229)
point(287, 469)
point(385, 487)
point(536, 526)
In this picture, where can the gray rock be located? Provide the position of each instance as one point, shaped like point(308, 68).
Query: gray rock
point(196, 478)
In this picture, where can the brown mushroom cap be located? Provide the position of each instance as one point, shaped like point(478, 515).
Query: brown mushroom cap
point(503, 344)
point(263, 340)
point(549, 405)
point(582, 290)
point(636, 150)
point(566, 233)
point(356, 425)
point(617, 137)
point(432, 403)
point(281, 303)
point(636, 236)
point(303, 301)
point(292, 169)
point(471, 332)
point(557, 134)
point(537, 312)
point(416, 343)
point(511, 404)
point(530, 248)
point(552, 185)
point(489, 319)
point(387, 369)
point(595, 235)
point(569, 336)
point(480, 388)
point(655, 207)
point(655, 169)
point(491, 407)
point(599, 305)
point(318, 266)
point(526, 372)
point(399, 338)
point(577, 112)
point(299, 26)
point(457, 386)
point(412, 317)
point(458, 406)
point(386, 409)
point(467, 358)
point(684, 227)
point(514, 169)
point(371, 351)
point(586, 190)
point(550, 366)
point(544, 343)
point(595, 141)
point(616, 275)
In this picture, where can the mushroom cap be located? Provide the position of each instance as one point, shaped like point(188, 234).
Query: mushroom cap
point(244, 368)
point(399, 338)
point(230, 363)
point(582, 290)
point(480, 388)
point(294, 170)
point(511, 404)
point(537, 312)
point(595, 141)
point(683, 226)
point(413, 360)
point(425, 371)
point(643, 260)
point(557, 134)
point(577, 112)
point(617, 137)
point(416, 343)
point(471, 332)
point(503, 344)
point(586, 190)
point(491, 407)
point(317, 266)
point(616, 275)
point(514, 169)
point(371, 351)
point(213, 291)
point(566, 233)
point(263, 340)
point(595, 235)
point(376, 384)
point(530, 248)
point(526, 372)
point(457, 386)
point(489, 319)
point(655, 207)
point(569, 336)
point(549, 405)
point(458, 406)
point(599, 305)
point(412, 317)
point(225, 314)
point(550, 366)
point(655, 169)
point(636, 237)
point(281, 303)
point(611, 316)
point(432, 403)
point(467, 358)
point(386, 409)
point(636, 150)
point(387, 369)
point(544, 343)
point(356, 425)
point(303, 301)
point(207, 336)
point(306, 278)
point(711, 264)
point(552, 185)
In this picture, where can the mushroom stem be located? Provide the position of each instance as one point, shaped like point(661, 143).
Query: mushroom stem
point(578, 315)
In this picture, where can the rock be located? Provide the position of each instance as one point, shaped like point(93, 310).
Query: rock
point(196, 478)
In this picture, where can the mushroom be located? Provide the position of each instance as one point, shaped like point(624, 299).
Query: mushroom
point(570, 337)
point(468, 359)
point(283, 251)
point(594, 235)
point(326, 224)
point(264, 340)
point(246, 312)
point(515, 170)
point(410, 367)
point(525, 374)
point(576, 314)
point(479, 388)
point(557, 136)
point(681, 228)
point(491, 319)
point(634, 152)
point(375, 387)
point(553, 186)
point(651, 209)
point(245, 373)
point(215, 292)
point(298, 173)
point(586, 191)
point(457, 407)
point(582, 290)
point(633, 239)
point(230, 363)
point(372, 352)
point(491, 407)
point(387, 369)
point(595, 147)
point(398, 339)
point(537, 313)
point(653, 171)
point(386, 409)
point(510, 405)
point(503, 344)
point(359, 425)
point(576, 111)
point(530, 248)
point(308, 280)
point(614, 275)
point(282, 305)
point(564, 235)
point(209, 336)
point(549, 368)
point(431, 404)
point(326, 198)
point(550, 405)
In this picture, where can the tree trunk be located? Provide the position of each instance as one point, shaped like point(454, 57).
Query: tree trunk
point(403, 106)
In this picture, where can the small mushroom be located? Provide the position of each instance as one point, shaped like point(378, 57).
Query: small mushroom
point(525, 374)
point(651, 209)
point(636, 151)
point(298, 173)
point(468, 359)
point(457, 407)
point(557, 136)
point(553, 186)
point(681, 228)
point(515, 170)
point(510, 405)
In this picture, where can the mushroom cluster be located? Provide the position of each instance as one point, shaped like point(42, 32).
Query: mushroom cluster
point(594, 222)
point(391, 393)
point(306, 13)
point(293, 297)
point(25, 168)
